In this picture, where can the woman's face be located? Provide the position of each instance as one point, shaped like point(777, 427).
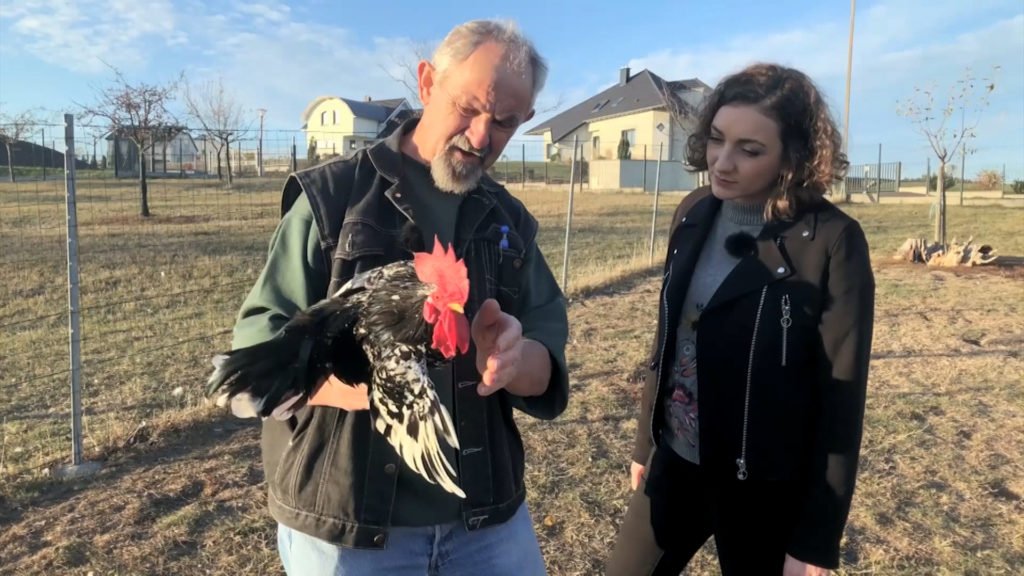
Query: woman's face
point(744, 153)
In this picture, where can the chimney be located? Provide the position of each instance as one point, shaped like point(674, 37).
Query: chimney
point(623, 76)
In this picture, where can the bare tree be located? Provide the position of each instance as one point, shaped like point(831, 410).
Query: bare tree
point(404, 67)
point(931, 118)
point(14, 128)
point(138, 113)
point(222, 117)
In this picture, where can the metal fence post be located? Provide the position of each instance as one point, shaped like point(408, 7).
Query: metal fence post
point(645, 167)
point(524, 167)
point(42, 150)
point(878, 177)
point(654, 215)
point(568, 218)
point(77, 467)
point(928, 176)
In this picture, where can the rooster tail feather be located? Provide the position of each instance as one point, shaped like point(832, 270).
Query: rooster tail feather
point(259, 375)
point(275, 377)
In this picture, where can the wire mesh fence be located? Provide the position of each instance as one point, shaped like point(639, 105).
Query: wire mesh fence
point(158, 294)
point(875, 180)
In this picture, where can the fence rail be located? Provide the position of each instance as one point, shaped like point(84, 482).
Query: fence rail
point(874, 179)
point(192, 154)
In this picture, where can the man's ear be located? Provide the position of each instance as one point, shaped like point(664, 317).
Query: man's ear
point(425, 75)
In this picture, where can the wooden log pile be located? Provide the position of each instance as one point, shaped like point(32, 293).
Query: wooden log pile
point(919, 250)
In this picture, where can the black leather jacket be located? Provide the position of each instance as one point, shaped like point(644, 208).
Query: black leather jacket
point(782, 355)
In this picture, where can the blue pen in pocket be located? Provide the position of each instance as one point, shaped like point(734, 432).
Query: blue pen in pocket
point(503, 243)
point(504, 238)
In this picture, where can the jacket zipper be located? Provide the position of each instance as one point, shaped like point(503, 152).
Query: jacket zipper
point(661, 347)
point(741, 462)
point(786, 322)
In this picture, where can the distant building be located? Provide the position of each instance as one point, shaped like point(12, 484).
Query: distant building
point(641, 114)
point(173, 152)
point(341, 126)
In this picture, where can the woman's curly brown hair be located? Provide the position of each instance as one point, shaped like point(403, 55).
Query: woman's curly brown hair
point(812, 145)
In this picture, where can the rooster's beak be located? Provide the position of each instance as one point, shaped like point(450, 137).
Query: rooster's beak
point(456, 307)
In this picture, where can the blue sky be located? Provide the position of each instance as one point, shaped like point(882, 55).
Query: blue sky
point(279, 56)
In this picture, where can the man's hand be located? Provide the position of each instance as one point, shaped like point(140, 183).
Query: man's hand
point(794, 567)
point(504, 358)
point(337, 394)
point(499, 347)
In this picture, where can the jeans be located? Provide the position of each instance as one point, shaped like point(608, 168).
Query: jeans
point(444, 550)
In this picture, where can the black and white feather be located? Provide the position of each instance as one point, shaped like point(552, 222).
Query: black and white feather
point(371, 331)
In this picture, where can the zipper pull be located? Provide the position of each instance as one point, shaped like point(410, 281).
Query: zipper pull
point(786, 322)
point(741, 473)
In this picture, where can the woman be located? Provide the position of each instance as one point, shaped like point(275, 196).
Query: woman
point(751, 418)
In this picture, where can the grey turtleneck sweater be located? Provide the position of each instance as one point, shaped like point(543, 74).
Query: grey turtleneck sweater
point(713, 266)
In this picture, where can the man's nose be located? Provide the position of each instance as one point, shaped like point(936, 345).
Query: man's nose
point(479, 132)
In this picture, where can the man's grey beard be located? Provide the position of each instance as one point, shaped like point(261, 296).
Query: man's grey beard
point(450, 173)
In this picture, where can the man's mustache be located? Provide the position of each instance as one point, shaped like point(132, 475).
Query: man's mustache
point(462, 143)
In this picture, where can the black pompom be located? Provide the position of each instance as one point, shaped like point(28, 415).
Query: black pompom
point(740, 245)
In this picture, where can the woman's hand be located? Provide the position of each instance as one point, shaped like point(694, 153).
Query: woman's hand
point(794, 567)
point(636, 473)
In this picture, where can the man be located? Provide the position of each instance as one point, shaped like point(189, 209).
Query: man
point(344, 501)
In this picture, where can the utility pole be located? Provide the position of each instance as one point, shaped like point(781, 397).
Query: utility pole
point(846, 114)
point(963, 155)
point(259, 146)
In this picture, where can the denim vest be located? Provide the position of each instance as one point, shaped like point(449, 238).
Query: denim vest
point(329, 473)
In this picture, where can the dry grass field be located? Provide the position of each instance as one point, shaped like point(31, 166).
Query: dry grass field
point(180, 490)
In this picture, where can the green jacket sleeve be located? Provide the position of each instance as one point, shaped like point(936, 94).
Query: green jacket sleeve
point(292, 279)
point(544, 318)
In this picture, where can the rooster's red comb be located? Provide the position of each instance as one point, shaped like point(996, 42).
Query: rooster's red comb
point(442, 269)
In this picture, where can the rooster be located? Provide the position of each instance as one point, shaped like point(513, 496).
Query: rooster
point(385, 327)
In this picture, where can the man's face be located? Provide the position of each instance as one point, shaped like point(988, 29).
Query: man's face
point(469, 115)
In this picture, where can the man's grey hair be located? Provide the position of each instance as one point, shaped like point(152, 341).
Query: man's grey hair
point(520, 54)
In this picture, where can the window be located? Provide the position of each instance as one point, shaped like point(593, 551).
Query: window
point(351, 144)
point(630, 136)
point(323, 118)
point(334, 117)
point(596, 144)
